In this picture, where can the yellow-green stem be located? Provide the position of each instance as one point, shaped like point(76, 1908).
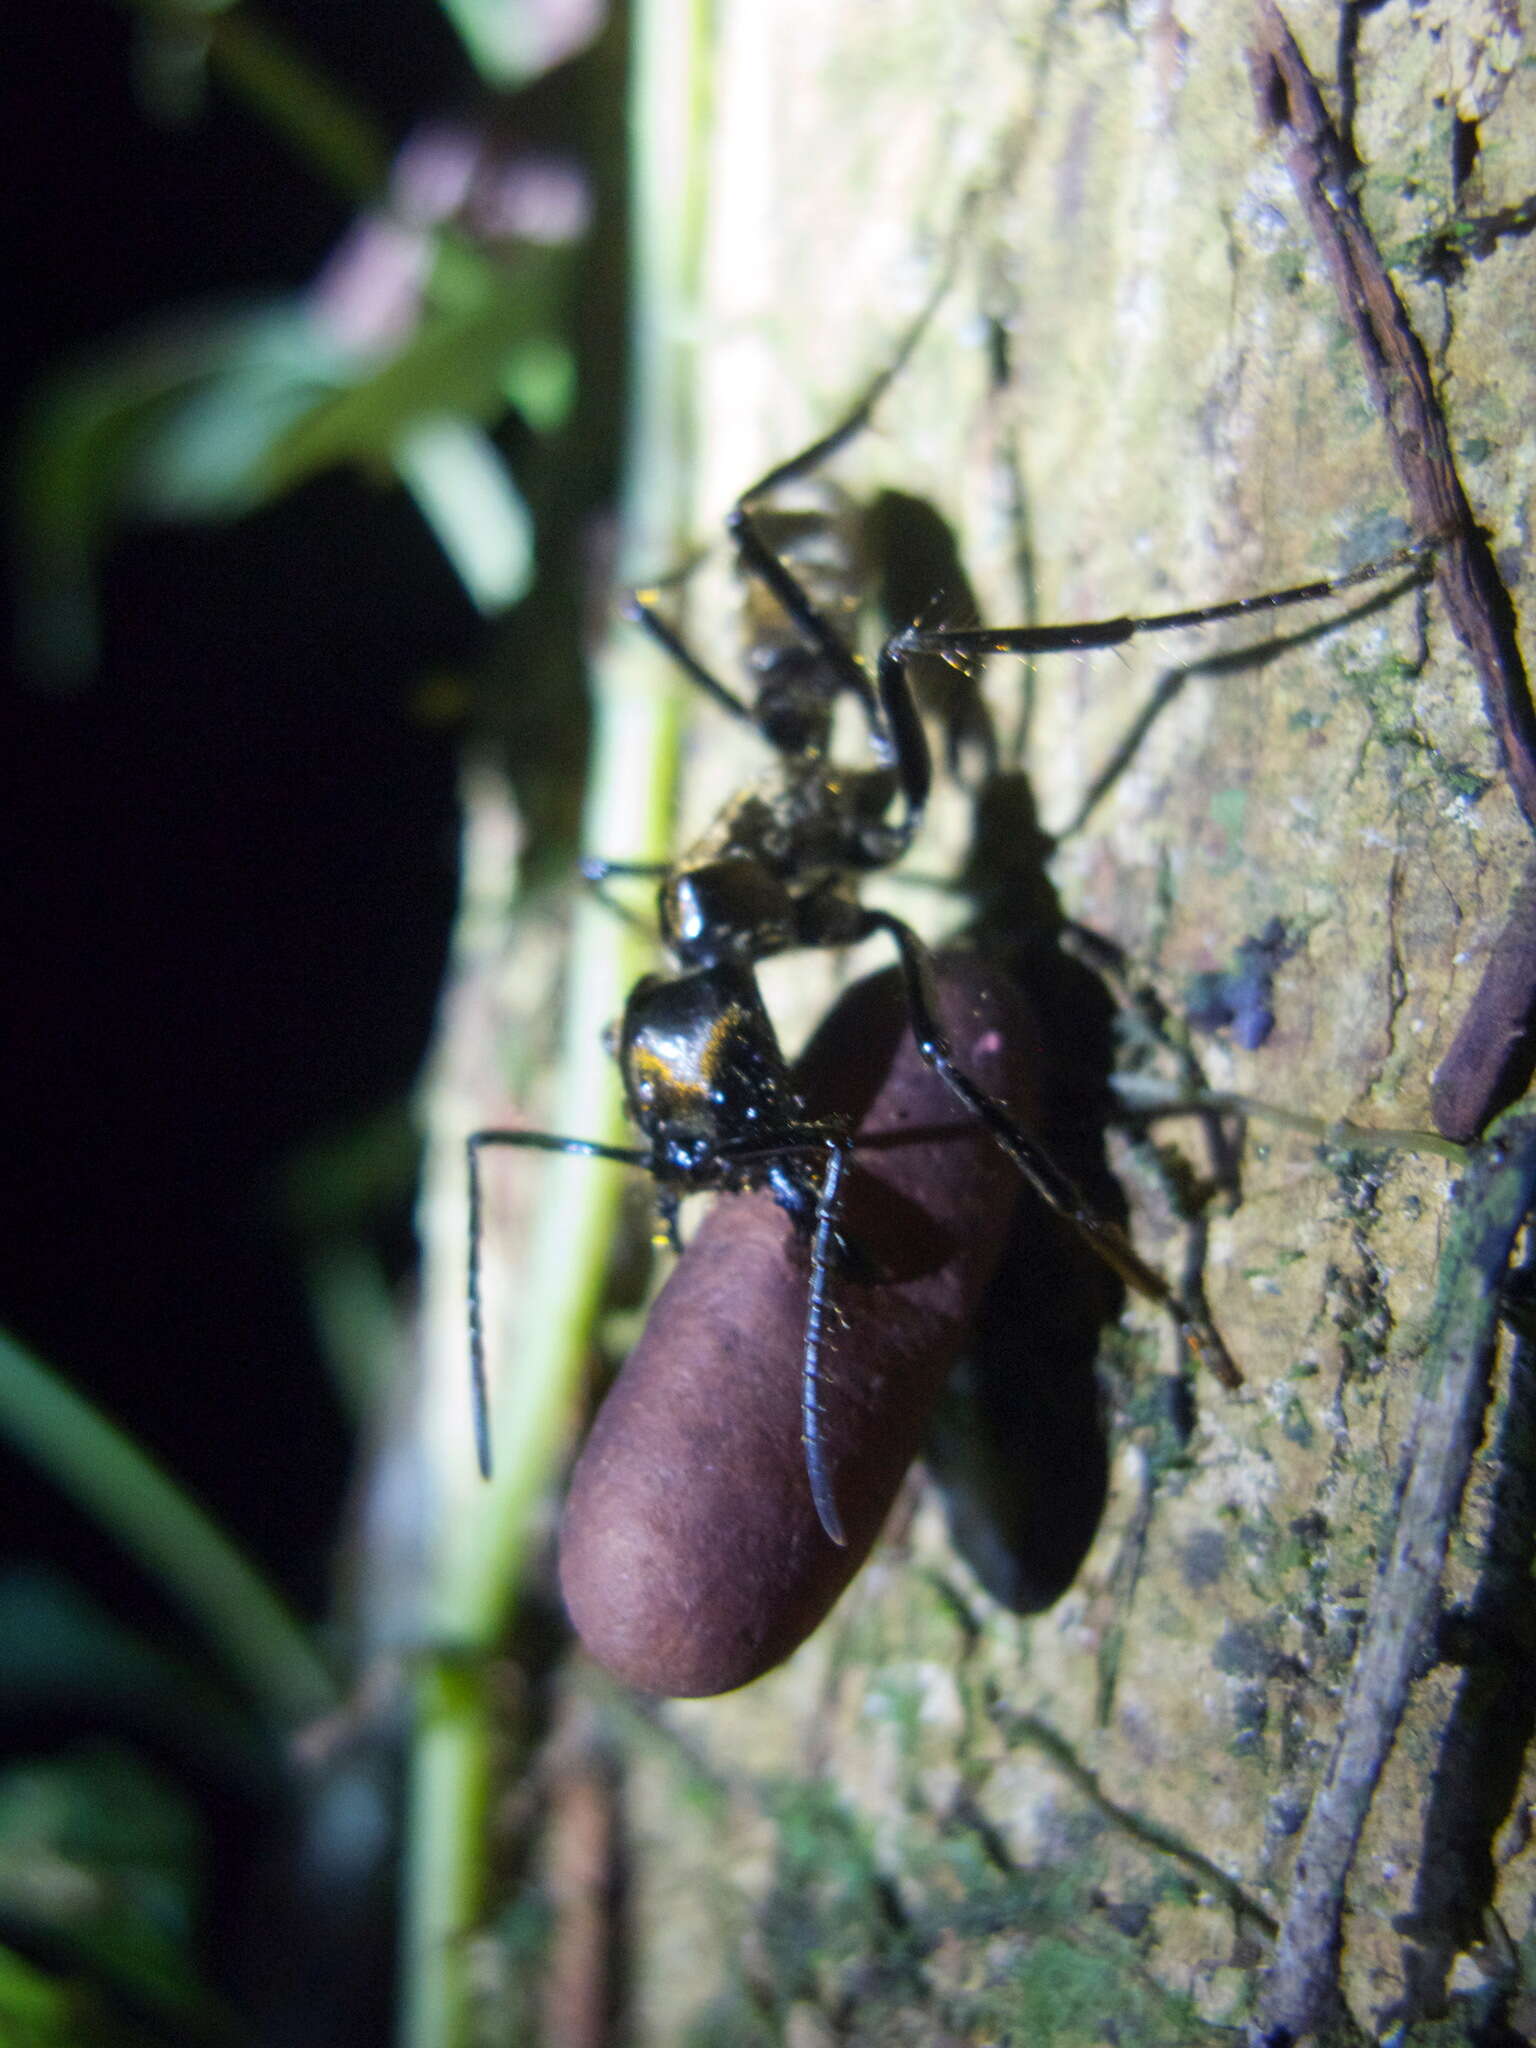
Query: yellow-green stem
point(260, 1642)
point(635, 719)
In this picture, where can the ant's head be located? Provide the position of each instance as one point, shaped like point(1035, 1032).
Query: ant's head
point(703, 1072)
point(731, 909)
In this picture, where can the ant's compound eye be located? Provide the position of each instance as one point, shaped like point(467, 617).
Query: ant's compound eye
point(683, 916)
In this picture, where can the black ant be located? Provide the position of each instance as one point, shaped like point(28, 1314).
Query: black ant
point(704, 1077)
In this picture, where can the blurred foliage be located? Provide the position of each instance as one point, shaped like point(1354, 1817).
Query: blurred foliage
point(100, 1858)
point(436, 338)
point(445, 309)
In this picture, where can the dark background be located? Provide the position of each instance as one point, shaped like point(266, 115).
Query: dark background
point(233, 850)
point(234, 846)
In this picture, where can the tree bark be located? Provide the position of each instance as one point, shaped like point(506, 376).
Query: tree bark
point(940, 1822)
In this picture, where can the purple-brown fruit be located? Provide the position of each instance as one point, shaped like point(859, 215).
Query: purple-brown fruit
point(691, 1556)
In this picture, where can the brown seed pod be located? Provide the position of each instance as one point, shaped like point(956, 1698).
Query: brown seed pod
point(691, 1557)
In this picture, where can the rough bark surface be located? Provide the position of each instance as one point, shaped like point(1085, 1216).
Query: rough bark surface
point(940, 1822)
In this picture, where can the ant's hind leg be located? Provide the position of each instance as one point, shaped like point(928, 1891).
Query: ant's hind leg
point(817, 631)
point(758, 559)
point(1413, 562)
point(1037, 1166)
point(859, 415)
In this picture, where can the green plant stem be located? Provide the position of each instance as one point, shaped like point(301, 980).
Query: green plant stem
point(444, 1869)
point(261, 1643)
point(635, 720)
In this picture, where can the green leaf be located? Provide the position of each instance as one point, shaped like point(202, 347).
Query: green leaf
point(172, 423)
point(102, 1469)
point(540, 381)
point(511, 41)
point(206, 456)
point(212, 416)
point(467, 495)
point(101, 1860)
point(455, 364)
point(40, 2011)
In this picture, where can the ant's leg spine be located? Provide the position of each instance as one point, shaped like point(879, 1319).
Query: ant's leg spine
point(828, 1206)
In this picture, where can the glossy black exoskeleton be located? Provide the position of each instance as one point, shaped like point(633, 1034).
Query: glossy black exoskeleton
point(705, 1080)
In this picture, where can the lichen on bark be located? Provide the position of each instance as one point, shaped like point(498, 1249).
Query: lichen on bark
point(941, 1822)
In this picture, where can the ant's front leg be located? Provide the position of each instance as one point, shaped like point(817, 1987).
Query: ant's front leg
point(824, 1240)
point(597, 873)
point(814, 1208)
point(474, 1145)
